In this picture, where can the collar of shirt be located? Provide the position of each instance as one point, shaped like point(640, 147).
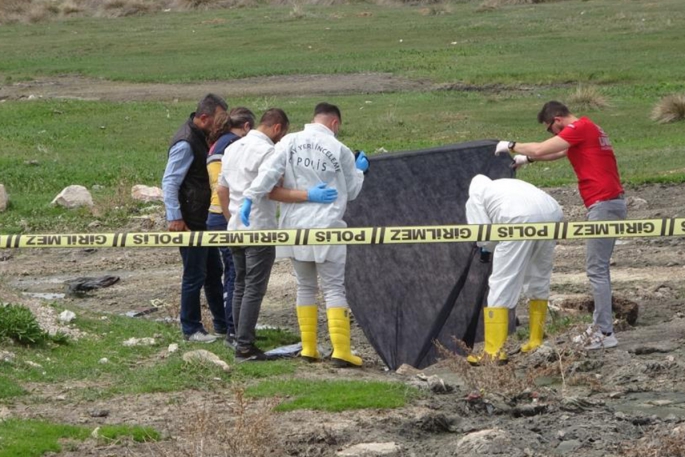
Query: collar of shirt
point(257, 134)
point(319, 128)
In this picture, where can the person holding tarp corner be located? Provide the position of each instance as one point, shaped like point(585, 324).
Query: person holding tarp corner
point(591, 154)
point(517, 265)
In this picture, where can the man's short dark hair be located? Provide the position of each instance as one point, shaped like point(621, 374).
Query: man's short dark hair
point(551, 110)
point(328, 109)
point(274, 116)
point(209, 104)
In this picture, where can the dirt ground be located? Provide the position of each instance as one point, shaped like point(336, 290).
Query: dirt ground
point(627, 401)
point(83, 88)
point(627, 398)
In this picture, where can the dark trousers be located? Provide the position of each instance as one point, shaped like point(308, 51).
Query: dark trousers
point(229, 279)
point(252, 271)
point(201, 269)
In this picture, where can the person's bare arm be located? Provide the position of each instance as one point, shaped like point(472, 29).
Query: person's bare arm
point(224, 199)
point(551, 149)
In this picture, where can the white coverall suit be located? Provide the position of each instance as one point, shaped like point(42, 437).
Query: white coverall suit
point(305, 159)
point(516, 265)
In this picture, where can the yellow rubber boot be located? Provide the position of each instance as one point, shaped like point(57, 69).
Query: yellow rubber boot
point(307, 318)
point(339, 328)
point(496, 324)
point(538, 314)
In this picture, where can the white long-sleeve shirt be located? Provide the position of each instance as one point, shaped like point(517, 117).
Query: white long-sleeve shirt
point(305, 159)
point(239, 167)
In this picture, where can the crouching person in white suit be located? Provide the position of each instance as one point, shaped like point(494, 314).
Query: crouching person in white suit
point(517, 265)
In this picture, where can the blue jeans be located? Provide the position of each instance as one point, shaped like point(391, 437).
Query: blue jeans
point(201, 268)
point(229, 278)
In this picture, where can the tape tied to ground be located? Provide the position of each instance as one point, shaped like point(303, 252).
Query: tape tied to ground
point(666, 227)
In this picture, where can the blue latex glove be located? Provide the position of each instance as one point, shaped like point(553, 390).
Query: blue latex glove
point(362, 162)
point(322, 194)
point(245, 209)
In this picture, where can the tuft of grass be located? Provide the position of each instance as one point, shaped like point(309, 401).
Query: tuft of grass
point(19, 324)
point(334, 396)
point(669, 109)
point(586, 98)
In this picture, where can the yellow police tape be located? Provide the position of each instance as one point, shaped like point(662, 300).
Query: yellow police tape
point(360, 236)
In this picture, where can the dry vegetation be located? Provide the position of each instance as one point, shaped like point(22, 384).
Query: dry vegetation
point(669, 109)
point(250, 433)
point(586, 98)
point(32, 11)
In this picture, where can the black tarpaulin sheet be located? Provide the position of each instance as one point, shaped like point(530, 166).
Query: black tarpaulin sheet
point(406, 297)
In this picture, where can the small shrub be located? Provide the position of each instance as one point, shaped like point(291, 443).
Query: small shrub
point(19, 324)
point(587, 98)
point(669, 109)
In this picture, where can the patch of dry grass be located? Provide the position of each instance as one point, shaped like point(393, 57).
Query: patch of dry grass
point(657, 443)
point(586, 98)
point(669, 109)
point(245, 429)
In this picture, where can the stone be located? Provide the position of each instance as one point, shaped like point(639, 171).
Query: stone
point(73, 197)
point(146, 194)
point(4, 198)
point(389, 449)
point(139, 342)
point(406, 369)
point(489, 441)
point(568, 446)
point(636, 203)
point(67, 316)
point(203, 355)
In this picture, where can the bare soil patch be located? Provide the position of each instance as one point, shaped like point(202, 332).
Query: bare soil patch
point(83, 88)
point(616, 402)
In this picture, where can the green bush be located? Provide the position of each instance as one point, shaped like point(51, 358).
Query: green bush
point(19, 324)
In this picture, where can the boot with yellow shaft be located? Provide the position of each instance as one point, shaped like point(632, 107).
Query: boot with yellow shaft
point(307, 318)
point(496, 326)
point(538, 314)
point(339, 328)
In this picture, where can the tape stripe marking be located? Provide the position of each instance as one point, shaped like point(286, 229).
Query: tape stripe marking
point(305, 241)
point(488, 233)
point(374, 233)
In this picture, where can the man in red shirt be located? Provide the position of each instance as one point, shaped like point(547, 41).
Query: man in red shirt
point(590, 152)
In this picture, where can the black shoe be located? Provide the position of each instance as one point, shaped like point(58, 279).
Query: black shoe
point(253, 353)
point(231, 342)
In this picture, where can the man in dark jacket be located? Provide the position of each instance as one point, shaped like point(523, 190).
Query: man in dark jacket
point(187, 197)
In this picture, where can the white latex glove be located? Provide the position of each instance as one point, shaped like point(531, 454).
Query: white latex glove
point(520, 161)
point(502, 146)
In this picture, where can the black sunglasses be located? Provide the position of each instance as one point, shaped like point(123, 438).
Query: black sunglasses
point(549, 127)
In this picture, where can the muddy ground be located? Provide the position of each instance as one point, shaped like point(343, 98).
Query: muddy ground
point(610, 403)
point(627, 401)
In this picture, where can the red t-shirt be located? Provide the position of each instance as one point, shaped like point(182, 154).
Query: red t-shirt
point(593, 160)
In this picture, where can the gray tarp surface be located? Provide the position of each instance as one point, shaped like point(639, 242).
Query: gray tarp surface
point(405, 297)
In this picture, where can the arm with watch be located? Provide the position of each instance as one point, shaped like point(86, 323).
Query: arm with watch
point(525, 153)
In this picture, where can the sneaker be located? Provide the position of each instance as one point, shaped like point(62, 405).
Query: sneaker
point(200, 337)
point(220, 333)
point(231, 342)
point(585, 336)
point(252, 353)
point(601, 341)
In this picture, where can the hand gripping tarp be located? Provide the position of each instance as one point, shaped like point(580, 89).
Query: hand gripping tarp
point(407, 296)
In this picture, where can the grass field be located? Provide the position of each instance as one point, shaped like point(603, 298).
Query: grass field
point(516, 57)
